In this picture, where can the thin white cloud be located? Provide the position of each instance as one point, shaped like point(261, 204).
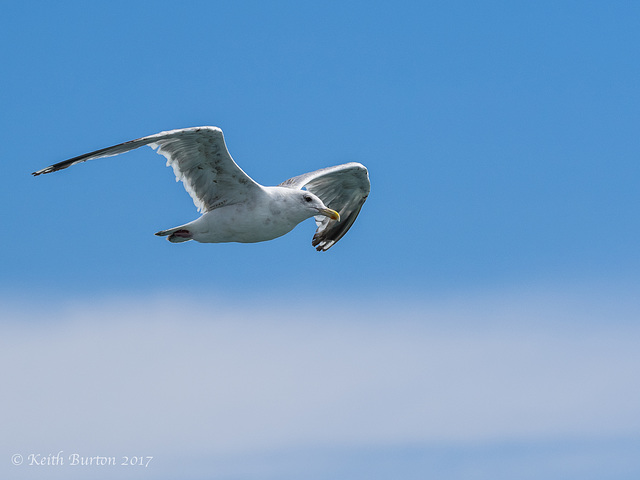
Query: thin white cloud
point(173, 378)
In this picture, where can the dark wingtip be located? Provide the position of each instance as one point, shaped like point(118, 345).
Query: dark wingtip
point(44, 170)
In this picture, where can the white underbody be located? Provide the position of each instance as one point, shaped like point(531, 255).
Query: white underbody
point(272, 215)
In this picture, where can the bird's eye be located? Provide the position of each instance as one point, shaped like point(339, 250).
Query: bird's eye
point(307, 198)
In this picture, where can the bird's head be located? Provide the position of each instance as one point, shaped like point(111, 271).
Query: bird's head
point(315, 206)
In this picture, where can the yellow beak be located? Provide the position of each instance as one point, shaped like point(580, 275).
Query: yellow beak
point(327, 212)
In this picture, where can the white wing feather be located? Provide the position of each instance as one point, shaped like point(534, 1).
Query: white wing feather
point(199, 158)
point(343, 188)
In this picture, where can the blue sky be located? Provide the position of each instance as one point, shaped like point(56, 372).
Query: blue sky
point(501, 140)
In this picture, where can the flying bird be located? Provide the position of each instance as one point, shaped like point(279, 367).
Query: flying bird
point(234, 207)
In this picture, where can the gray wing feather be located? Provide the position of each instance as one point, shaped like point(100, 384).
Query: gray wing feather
point(199, 158)
point(343, 188)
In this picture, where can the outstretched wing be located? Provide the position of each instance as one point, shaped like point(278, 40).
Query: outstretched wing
point(199, 158)
point(343, 188)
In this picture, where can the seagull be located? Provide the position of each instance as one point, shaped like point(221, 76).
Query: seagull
point(234, 207)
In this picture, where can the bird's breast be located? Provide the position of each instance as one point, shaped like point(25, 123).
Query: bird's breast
point(243, 223)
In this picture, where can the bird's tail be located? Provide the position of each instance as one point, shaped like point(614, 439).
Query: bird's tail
point(176, 234)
